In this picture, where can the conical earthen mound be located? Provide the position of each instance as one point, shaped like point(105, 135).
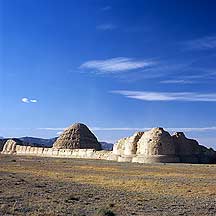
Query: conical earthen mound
point(77, 136)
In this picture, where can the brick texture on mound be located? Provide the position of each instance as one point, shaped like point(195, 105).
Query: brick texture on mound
point(77, 136)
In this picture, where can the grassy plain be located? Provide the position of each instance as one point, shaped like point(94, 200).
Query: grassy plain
point(57, 186)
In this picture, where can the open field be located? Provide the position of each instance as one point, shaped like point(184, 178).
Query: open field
point(55, 186)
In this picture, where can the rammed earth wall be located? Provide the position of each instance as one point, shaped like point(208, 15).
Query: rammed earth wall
point(12, 148)
point(153, 146)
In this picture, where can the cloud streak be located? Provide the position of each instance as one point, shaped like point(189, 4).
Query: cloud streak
point(106, 8)
point(27, 100)
point(205, 43)
point(116, 65)
point(184, 129)
point(169, 72)
point(106, 27)
point(51, 129)
point(168, 96)
point(176, 81)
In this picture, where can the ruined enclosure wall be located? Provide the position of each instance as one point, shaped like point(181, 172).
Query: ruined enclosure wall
point(155, 146)
point(9, 147)
point(12, 148)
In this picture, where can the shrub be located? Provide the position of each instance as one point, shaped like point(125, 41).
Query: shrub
point(105, 212)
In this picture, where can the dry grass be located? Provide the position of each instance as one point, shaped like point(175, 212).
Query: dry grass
point(148, 177)
point(170, 180)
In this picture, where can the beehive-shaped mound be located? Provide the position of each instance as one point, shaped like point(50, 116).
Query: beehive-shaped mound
point(156, 141)
point(77, 136)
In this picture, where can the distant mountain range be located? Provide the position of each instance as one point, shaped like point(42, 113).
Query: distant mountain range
point(41, 142)
point(107, 146)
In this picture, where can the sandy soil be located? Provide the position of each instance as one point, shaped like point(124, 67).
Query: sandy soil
point(54, 186)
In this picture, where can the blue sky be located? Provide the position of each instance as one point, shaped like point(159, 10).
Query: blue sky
point(116, 65)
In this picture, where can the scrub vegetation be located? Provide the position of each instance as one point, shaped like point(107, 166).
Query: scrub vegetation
point(59, 186)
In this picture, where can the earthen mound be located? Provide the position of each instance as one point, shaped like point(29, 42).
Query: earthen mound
point(77, 136)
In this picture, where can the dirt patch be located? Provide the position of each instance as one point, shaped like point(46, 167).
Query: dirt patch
point(54, 186)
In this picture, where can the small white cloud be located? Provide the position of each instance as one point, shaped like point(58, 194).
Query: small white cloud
point(33, 100)
point(106, 27)
point(27, 100)
point(168, 96)
point(59, 133)
point(114, 65)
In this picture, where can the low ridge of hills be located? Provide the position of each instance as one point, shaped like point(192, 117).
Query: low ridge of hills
point(34, 141)
point(39, 141)
point(106, 146)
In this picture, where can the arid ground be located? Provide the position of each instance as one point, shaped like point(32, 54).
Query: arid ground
point(55, 186)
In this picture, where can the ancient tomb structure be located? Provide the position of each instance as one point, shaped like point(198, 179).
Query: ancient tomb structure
point(77, 141)
point(157, 145)
point(77, 136)
point(10, 145)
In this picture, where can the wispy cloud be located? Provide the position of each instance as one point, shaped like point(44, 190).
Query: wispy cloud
point(27, 100)
point(180, 81)
point(168, 71)
point(168, 96)
point(106, 27)
point(184, 129)
point(106, 8)
point(95, 129)
point(118, 129)
point(194, 75)
point(204, 43)
point(114, 65)
point(51, 129)
point(193, 129)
